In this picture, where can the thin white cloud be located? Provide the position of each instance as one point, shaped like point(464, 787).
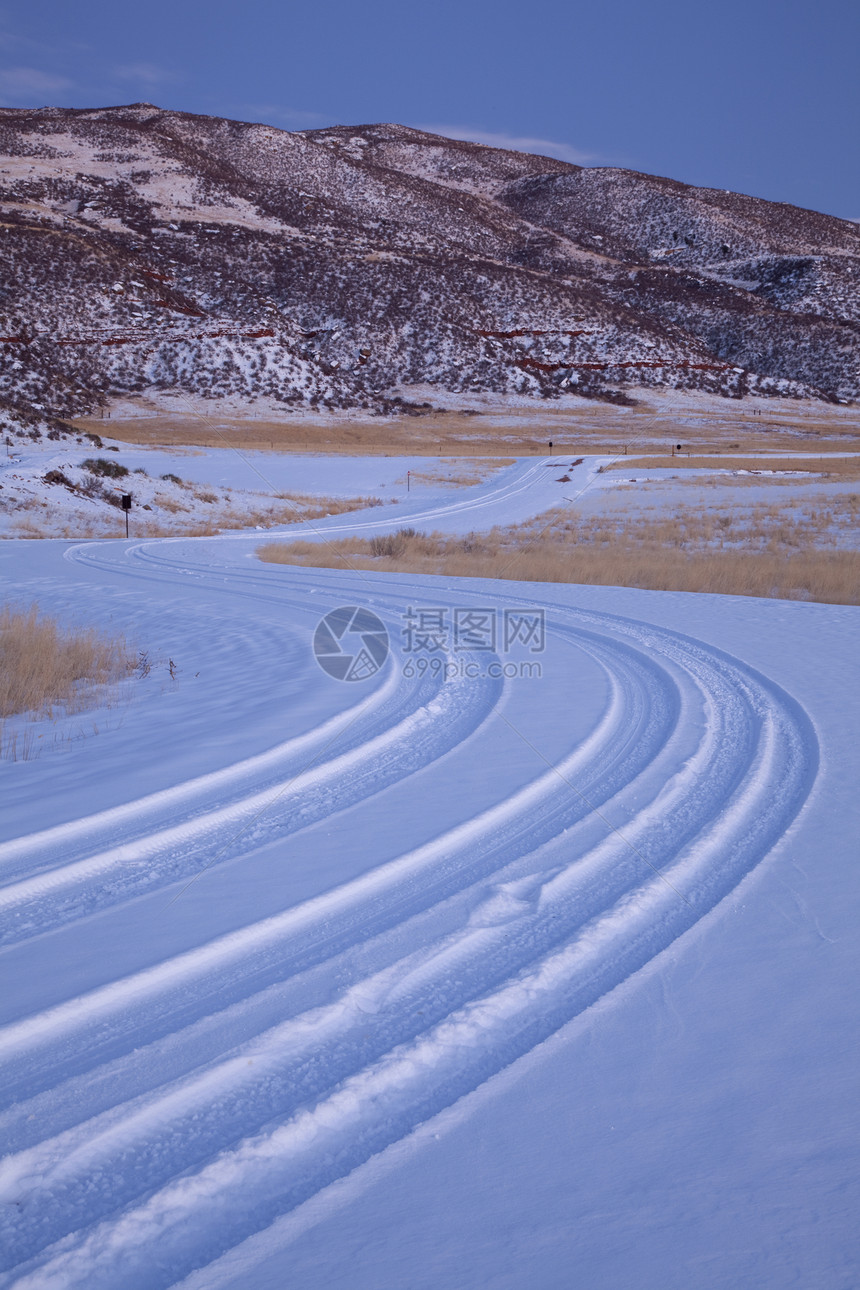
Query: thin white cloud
point(24, 85)
point(286, 118)
point(515, 143)
point(145, 74)
point(29, 50)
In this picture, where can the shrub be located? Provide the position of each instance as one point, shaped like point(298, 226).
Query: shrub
point(92, 486)
point(101, 466)
point(392, 545)
point(172, 479)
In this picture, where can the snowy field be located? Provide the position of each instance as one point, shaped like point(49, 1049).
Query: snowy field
point(529, 959)
point(227, 487)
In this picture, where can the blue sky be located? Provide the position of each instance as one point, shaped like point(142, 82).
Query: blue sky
point(757, 96)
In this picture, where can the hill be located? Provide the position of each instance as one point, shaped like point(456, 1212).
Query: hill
point(384, 268)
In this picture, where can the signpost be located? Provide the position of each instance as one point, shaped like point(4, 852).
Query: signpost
point(126, 506)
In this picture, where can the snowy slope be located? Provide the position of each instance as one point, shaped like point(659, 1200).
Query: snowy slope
point(382, 268)
point(468, 977)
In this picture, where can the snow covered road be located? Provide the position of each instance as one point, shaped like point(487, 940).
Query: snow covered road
point(268, 924)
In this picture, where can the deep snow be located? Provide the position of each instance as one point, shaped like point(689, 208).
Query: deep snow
point(474, 981)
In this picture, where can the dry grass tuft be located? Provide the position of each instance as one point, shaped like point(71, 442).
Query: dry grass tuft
point(44, 666)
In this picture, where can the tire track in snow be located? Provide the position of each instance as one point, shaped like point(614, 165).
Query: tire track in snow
point(64, 843)
point(615, 750)
point(298, 794)
point(509, 976)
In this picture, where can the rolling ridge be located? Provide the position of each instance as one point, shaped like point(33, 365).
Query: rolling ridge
point(376, 267)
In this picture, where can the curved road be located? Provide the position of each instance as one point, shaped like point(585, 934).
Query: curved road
point(303, 952)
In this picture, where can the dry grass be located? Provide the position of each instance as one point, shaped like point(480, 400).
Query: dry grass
point(171, 505)
point(431, 436)
point(207, 519)
point(288, 509)
point(74, 532)
point(822, 524)
point(458, 472)
point(45, 667)
point(768, 552)
point(840, 468)
point(703, 424)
